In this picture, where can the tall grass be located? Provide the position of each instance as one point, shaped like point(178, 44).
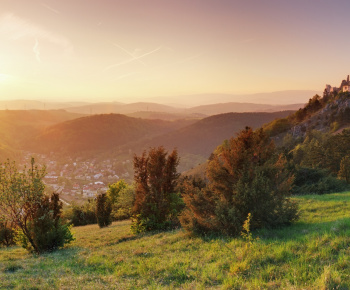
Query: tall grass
point(314, 253)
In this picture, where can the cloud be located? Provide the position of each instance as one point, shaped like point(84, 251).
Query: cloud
point(50, 8)
point(134, 58)
point(17, 28)
point(36, 50)
point(132, 54)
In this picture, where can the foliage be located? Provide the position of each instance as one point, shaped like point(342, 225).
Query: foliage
point(47, 230)
point(103, 210)
point(155, 206)
point(245, 177)
point(314, 105)
point(82, 215)
point(114, 190)
point(35, 216)
point(7, 233)
point(316, 181)
point(278, 126)
point(122, 197)
point(122, 209)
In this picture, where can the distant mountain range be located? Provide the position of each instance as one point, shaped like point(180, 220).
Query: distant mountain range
point(278, 97)
point(148, 110)
point(120, 135)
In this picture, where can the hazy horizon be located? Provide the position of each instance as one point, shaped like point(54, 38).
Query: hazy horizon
point(135, 51)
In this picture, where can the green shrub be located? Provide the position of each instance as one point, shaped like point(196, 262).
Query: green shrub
point(82, 215)
point(103, 210)
point(122, 208)
point(245, 177)
point(316, 181)
point(47, 232)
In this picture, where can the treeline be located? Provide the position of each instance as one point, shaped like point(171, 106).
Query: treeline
point(248, 184)
point(320, 161)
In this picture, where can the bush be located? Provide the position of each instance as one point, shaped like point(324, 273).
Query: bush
point(7, 234)
point(37, 218)
point(316, 181)
point(82, 215)
point(122, 209)
point(47, 232)
point(103, 210)
point(122, 197)
point(245, 177)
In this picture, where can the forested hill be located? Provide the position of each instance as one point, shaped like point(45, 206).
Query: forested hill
point(99, 132)
point(202, 137)
point(17, 126)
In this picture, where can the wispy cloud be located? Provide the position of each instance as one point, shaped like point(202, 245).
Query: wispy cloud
point(36, 50)
point(132, 54)
point(17, 28)
point(50, 8)
point(134, 58)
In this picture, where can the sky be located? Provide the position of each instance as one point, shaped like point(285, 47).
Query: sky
point(112, 50)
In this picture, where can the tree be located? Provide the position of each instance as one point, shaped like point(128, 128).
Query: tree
point(23, 203)
point(156, 203)
point(47, 230)
point(103, 210)
point(245, 176)
point(114, 189)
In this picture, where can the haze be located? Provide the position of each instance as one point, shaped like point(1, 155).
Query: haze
point(137, 50)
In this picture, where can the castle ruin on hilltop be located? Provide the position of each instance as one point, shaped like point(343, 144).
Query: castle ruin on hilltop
point(344, 87)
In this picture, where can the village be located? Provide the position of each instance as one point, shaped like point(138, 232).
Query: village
point(78, 178)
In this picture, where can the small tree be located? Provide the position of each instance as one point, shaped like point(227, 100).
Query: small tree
point(23, 203)
point(47, 230)
point(103, 210)
point(245, 177)
point(155, 206)
point(114, 189)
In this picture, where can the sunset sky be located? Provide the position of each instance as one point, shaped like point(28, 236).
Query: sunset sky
point(111, 50)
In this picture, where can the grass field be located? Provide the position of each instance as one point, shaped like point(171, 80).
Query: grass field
point(314, 253)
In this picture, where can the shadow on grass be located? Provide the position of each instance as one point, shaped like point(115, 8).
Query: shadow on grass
point(298, 231)
point(302, 230)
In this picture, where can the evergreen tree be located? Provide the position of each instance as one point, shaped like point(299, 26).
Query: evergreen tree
point(103, 210)
point(156, 203)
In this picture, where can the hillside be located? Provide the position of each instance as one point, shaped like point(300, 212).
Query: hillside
point(326, 114)
point(17, 126)
point(202, 137)
point(313, 253)
point(98, 132)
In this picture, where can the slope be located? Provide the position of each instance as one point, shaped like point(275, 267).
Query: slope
point(99, 132)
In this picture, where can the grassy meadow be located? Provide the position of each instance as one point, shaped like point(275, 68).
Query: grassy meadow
point(314, 253)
